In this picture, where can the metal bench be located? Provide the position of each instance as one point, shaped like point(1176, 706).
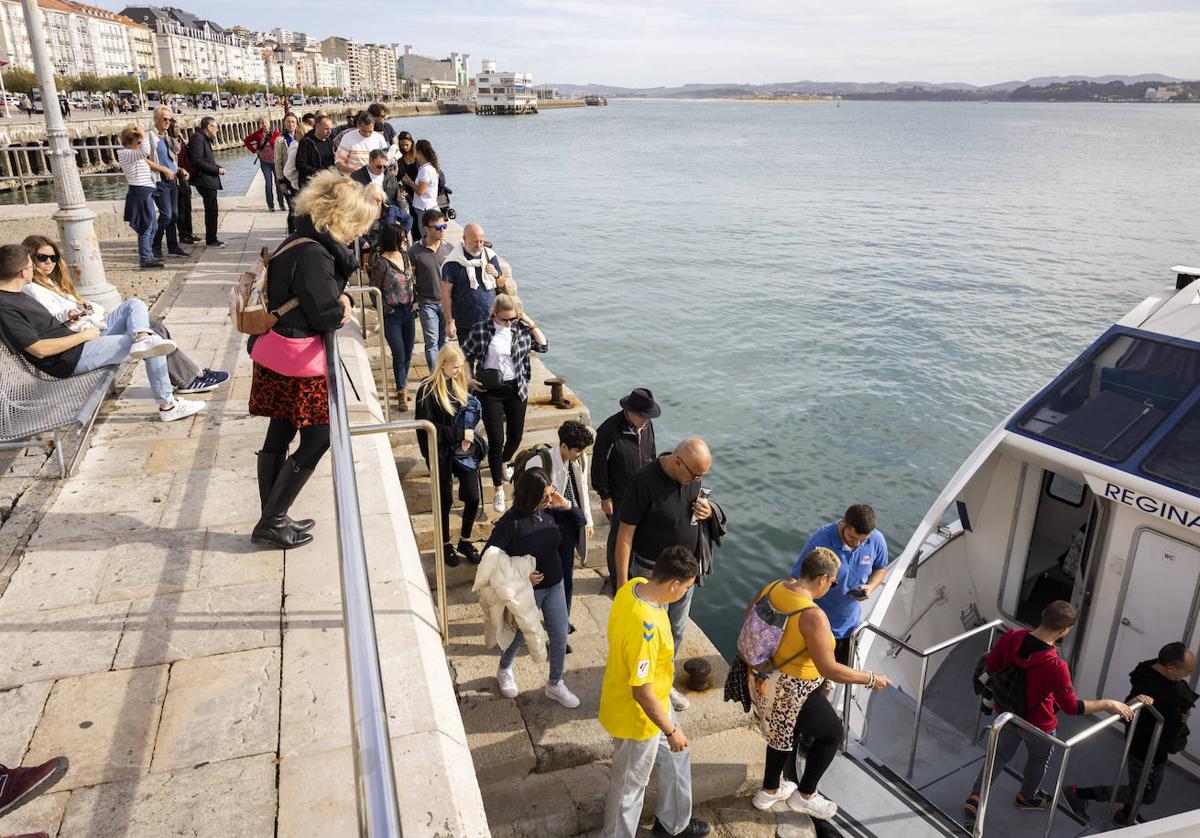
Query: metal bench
point(33, 404)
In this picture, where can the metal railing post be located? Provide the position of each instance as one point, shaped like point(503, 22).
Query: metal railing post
point(1143, 776)
point(1058, 784)
point(979, 710)
point(377, 303)
point(851, 653)
point(989, 765)
point(374, 775)
point(912, 750)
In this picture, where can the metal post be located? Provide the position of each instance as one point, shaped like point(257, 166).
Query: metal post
point(979, 711)
point(377, 303)
point(1147, 766)
point(912, 749)
point(1116, 786)
point(76, 223)
point(851, 650)
point(989, 765)
point(1143, 777)
point(1062, 776)
point(374, 775)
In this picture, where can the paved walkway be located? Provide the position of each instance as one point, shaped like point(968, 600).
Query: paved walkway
point(196, 682)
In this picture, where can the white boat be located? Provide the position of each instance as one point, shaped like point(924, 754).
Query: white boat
point(1088, 492)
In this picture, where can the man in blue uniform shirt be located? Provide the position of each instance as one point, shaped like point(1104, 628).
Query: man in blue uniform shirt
point(863, 551)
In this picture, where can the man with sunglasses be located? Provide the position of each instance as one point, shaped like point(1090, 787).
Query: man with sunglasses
point(427, 256)
point(662, 508)
point(471, 277)
point(394, 209)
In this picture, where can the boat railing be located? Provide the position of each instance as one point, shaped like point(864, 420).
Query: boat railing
point(374, 774)
point(924, 655)
point(1005, 719)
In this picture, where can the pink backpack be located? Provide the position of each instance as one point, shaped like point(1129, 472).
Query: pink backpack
point(762, 631)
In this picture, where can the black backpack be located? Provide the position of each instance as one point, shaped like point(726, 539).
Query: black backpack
point(1003, 691)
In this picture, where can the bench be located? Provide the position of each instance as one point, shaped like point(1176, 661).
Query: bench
point(33, 404)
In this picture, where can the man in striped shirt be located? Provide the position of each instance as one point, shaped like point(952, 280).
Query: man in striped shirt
point(356, 146)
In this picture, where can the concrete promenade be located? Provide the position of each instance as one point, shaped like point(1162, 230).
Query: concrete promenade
point(197, 683)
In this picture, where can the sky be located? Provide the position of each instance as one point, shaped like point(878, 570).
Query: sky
point(644, 44)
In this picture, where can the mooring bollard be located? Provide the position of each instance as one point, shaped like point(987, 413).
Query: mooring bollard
point(699, 672)
point(556, 393)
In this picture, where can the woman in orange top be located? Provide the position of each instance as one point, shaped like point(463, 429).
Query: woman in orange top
point(789, 704)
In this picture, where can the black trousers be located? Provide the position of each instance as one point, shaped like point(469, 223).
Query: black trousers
point(470, 492)
point(818, 732)
point(183, 209)
point(504, 422)
point(568, 538)
point(209, 196)
point(314, 441)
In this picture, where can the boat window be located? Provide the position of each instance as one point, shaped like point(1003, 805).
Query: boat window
point(1114, 396)
point(1177, 457)
point(1066, 490)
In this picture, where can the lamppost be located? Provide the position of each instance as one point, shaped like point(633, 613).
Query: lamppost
point(76, 226)
point(280, 56)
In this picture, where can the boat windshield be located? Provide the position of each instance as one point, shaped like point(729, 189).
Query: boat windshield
point(1177, 458)
point(1112, 399)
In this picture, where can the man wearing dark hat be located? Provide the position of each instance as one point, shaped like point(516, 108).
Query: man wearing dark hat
point(624, 445)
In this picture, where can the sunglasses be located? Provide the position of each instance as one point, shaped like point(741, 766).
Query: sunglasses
point(46, 257)
point(439, 227)
point(506, 319)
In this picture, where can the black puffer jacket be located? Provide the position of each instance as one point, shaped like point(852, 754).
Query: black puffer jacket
point(316, 274)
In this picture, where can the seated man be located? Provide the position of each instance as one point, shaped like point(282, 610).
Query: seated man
point(56, 350)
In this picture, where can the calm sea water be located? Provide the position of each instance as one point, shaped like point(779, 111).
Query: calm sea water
point(841, 300)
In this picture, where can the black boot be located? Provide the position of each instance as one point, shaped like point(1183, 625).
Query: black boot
point(268, 469)
point(273, 529)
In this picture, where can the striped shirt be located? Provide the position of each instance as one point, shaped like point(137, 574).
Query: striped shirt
point(134, 165)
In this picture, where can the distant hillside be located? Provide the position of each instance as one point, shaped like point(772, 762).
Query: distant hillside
point(881, 89)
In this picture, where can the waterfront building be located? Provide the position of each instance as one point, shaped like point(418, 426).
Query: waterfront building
point(371, 68)
point(195, 48)
point(83, 39)
point(504, 92)
point(437, 78)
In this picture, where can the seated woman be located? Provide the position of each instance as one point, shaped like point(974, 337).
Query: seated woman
point(53, 288)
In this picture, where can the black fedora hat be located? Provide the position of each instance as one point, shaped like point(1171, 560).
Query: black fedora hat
point(641, 401)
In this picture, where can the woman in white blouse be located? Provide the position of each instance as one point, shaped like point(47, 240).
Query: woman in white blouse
point(425, 187)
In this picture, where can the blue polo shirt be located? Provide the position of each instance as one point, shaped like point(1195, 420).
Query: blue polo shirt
point(844, 611)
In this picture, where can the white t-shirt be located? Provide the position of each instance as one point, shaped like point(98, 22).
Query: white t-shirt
point(134, 165)
point(499, 354)
point(355, 150)
point(428, 201)
point(60, 306)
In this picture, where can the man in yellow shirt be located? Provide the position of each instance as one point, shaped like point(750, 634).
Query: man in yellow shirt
point(635, 703)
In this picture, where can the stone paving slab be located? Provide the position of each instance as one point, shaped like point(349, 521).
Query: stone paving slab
point(45, 645)
point(21, 708)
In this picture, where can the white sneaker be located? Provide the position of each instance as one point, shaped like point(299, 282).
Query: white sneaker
point(508, 684)
point(151, 346)
point(180, 409)
point(562, 695)
point(818, 806)
point(764, 799)
point(508, 473)
point(498, 501)
point(679, 700)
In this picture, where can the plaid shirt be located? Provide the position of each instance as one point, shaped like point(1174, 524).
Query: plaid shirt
point(475, 347)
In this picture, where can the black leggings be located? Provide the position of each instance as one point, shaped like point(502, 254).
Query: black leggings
point(504, 421)
point(314, 441)
point(470, 492)
point(816, 722)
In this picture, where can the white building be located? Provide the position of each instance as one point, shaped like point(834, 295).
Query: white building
point(194, 48)
point(371, 69)
point(84, 40)
point(504, 92)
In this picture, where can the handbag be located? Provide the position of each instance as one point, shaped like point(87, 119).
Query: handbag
point(248, 297)
point(491, 379)
point(293, 357)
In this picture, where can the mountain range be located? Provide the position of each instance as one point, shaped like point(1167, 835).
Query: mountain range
point(729, 89)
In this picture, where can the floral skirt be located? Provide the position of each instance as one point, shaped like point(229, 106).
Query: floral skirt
point(777, 702)
point(300, 401)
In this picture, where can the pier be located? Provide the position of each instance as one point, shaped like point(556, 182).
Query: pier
point(197, 683)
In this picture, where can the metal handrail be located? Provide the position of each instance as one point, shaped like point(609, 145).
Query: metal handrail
point(374, 776)
point(924, 655)
point(1004, 719)
point(376, 303)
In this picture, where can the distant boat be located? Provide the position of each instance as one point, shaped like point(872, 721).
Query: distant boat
point(595, 100)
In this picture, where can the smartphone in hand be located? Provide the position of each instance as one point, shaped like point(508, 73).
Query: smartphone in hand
point(859, 593)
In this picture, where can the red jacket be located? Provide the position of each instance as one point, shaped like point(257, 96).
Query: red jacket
point(1048, 689)
point(262, 143)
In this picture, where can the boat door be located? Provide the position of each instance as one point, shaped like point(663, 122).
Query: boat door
point(1159, 607)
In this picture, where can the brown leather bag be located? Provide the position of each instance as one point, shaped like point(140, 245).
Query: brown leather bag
point(248, 297)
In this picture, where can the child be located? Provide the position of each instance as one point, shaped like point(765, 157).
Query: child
point(140, 210)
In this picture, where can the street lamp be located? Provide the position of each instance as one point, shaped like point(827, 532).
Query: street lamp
point(280, 57)
point(77, 230)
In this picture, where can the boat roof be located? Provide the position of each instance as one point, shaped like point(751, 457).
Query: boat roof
point(1131, 401)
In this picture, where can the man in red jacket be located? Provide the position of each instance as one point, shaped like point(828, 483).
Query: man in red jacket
point(1048, 691)
point(262, 145)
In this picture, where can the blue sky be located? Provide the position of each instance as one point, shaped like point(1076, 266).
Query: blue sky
point(756, 41)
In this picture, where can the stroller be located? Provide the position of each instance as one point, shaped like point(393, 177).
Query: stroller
point(443, 197)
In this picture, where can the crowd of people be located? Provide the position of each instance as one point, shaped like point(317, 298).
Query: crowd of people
point(366, 196)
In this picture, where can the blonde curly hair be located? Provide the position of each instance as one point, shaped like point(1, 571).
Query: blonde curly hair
point(337, 205)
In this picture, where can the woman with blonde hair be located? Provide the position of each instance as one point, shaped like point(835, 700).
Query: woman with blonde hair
point(498, 350)
point(441, 398)
point(309, 270)
point(53, 288)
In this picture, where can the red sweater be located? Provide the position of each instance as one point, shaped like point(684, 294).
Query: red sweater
point(1047, 679)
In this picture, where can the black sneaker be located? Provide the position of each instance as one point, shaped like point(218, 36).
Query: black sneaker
point(179, 251)
point(467, 550)
point(153, 263)
point(449, 556)
point(206, 381)
point(157, 254)
point(1040, 802)
point(695, 829)
point(215, 243)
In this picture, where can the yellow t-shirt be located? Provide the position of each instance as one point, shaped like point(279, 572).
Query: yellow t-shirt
point(792, 642)
point(640, 651)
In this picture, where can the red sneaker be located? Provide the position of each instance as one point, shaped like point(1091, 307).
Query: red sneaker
point(20, 785)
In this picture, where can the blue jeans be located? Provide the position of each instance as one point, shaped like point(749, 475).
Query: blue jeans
point(433, 330)
point(400, 331)
point(166, 195)
point(268, 170)
point(553, 603)
point(146, 237)
point(112, 347)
